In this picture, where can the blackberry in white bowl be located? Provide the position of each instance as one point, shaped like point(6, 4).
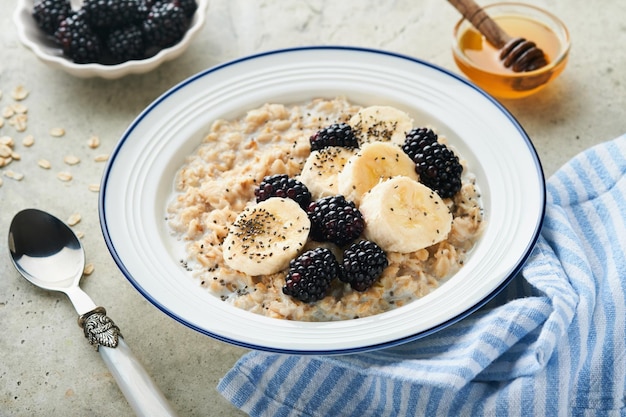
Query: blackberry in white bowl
point(107, 38)
point(48, 14)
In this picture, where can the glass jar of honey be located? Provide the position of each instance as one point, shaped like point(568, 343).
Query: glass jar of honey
point(481, 63)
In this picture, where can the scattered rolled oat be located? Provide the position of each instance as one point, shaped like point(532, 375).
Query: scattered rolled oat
point(71, 160)
point(94, 187)
point(19, 93)
point(5, 151)
point(57, 132)
point(8, 112)
point(13, 175)
point(28, 141)
point(1, 122)
point(3, 162)
point(0, 182)
point(64, 176)
point(101, 158)
point(19, 108)
point(93, 142)
point(16, 156)
point(74, 219)
point(19, 122)
point(44, 163)
point(7, 140)
point(89, 268)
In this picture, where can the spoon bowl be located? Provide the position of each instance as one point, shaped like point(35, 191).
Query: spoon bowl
point(45, 250)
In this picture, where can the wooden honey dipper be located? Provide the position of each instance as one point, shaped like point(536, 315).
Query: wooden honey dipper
point(518, 54)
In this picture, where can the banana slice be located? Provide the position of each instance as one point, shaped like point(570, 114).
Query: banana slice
point(403, 215)
point(265, 237)
point(375, 162)
point(381, 123)
point(321, 168)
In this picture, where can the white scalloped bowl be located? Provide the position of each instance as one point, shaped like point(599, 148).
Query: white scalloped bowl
point(138, 182)
point(48, 52)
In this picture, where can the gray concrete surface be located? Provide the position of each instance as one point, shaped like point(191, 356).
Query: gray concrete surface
point(46, 366)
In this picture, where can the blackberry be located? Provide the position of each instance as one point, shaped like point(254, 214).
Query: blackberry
point(338, 134)
point(165, 25)
point(362, 264)
point(280, 185)
point(188, 6)
point(78, 40)
point(48, 14)
point(125, 43)
point(335, 219)
point(437, 166)
point(113, 13)
point(310, 275)
point(417, 139)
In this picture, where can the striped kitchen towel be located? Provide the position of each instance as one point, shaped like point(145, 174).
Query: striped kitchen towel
point(553, 343)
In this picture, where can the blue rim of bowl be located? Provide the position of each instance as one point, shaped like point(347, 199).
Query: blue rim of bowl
point(224, 66)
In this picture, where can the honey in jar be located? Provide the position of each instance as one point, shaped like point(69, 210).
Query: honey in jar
point(481, 62)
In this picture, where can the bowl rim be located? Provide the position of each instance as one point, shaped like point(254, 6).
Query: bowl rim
point(564, 52)
point(23, 11)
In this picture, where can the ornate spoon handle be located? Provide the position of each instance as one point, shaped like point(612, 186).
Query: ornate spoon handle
point(140, 391)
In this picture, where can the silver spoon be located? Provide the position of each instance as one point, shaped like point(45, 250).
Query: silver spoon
point(48, 254)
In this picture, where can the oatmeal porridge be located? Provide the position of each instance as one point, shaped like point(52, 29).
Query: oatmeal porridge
point(215, 191)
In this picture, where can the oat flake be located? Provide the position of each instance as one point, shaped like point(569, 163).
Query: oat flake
point(7, 140)
point(101, 158)
point(5, 151)
point(28, 141)
point(57, 132)
point(19, 93)
point(44, 163)
point(93, 142)
point(94, 187)
point(19, 122)
point(89, 268)
point(19, 108)
point(8, 112)
point(64, 176)
point(13, 175)
point(71, 160)
point(74, 219)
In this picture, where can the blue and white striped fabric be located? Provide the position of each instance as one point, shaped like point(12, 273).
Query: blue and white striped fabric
point(552, 344)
